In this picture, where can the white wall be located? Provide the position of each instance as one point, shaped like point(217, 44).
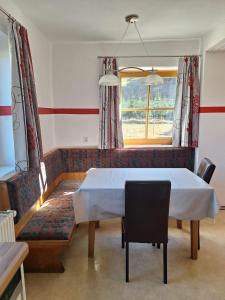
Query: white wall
point(215, 38)
point(211, 140)
point(41, 55)
point(75, 81)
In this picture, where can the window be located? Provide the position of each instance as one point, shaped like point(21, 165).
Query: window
point(147, 111)
point(7, 155)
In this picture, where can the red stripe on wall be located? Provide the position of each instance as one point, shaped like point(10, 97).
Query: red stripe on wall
point(45, 110)
point(212, 109)
point(76, 111)
point(5, 110)
point(67, 111)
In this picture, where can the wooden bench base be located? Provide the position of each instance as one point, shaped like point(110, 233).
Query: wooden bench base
point(45, 256)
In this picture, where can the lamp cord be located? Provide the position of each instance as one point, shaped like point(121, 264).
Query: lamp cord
point(125, 33)
point(122, 38)
point(143, 44)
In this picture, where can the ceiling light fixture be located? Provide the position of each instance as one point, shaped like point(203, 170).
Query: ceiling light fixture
point(110, 79)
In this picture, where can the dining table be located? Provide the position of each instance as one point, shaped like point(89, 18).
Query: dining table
point(101, 196)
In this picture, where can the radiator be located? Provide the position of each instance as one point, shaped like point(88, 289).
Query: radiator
point(7, 231)
point(7, 234)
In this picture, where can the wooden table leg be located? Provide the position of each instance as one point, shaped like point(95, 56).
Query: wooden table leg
point(194, 239)
point(91, 239)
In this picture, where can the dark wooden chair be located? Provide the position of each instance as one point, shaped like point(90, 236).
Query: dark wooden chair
point(205, 171)
point(146, 216)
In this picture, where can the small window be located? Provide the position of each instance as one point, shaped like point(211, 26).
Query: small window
point(147, 111)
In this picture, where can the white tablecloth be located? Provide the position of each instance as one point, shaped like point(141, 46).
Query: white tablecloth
point(101, 195)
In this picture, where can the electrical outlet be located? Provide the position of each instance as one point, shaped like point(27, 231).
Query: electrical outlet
point(85, 139)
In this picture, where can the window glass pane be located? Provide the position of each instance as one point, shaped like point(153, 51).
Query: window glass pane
point(160, 123)
point(133, 123)
point(163, 95)
point(134, 93)
point(7, 153)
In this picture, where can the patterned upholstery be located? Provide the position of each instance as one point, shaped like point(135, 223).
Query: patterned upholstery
point(53, 165)
point(153, 158)
point(24, 190)
point(81, 160)
point(78, 160)
point(55, 219)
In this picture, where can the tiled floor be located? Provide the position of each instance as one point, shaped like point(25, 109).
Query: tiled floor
point(103, 277)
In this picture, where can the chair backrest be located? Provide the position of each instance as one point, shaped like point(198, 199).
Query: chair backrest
point(147, 211)
point(206, 169)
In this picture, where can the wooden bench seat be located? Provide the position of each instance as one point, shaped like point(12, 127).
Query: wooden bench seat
point(50, 230)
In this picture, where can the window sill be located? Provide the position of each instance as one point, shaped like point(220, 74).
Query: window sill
point(6, 172)
point(148, 146)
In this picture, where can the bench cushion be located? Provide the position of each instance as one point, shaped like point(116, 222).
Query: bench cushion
point(25, 188)
point(80, 160)
point(55, 219)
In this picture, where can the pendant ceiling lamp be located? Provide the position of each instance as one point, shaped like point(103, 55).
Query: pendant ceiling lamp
point(110, 79)
point(153, 78)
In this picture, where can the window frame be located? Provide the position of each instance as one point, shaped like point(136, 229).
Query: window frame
point(138, 73)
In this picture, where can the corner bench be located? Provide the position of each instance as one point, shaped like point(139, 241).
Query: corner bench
point(44, 207)
point(50, 230)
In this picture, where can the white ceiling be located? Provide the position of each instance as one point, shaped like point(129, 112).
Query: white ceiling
point(103, 20)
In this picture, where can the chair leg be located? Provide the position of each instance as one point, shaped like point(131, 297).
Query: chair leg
point(97, 224)
point(158, 245)
point(198, 235)
point(179, 224)
point(122, 233)
point(127, 261)
point(165, 263)
point(153, 244)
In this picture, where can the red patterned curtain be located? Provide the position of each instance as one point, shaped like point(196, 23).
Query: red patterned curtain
point(110, 131)
point(186, 114)
point(26, 125)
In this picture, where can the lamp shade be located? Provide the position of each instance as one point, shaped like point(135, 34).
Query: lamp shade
point(154, 79)
point(109, 80)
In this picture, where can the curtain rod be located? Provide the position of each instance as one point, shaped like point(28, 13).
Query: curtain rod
point(7, 14)
point(156, 56)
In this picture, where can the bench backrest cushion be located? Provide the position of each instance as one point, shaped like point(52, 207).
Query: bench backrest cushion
point(155, 157)
point(53, 165)
point(80, 160)
point(24, 190)
point(25, 187)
